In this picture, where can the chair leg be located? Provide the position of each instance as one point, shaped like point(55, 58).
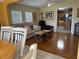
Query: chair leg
point(22, 50)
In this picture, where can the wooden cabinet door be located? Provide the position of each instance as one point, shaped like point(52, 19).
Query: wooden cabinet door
point(67, 25)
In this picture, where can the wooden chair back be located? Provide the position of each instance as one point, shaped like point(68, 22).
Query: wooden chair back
point(6, 33)
point(19, 38)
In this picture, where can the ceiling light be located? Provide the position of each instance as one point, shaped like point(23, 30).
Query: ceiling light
point(49, 4)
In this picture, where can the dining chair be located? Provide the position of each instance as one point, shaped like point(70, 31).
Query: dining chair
point(32, 52)
point(6, 33)
point(18, 38)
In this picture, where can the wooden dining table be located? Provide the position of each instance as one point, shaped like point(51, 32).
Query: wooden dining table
point(7, 50)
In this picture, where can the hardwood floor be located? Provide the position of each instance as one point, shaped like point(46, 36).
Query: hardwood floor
point(63, 44)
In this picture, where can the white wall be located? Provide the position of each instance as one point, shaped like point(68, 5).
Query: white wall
point(52, 22)
point(67, 4)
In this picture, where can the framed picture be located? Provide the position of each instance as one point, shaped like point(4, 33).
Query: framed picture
point(43, 15)
point(78, 12)
point(49, 15)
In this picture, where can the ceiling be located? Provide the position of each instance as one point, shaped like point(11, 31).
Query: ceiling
point(38, 3)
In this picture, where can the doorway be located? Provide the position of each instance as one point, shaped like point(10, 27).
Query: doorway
point(64, 20)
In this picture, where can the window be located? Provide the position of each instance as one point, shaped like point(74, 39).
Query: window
point(16, 17)
point(28, 16)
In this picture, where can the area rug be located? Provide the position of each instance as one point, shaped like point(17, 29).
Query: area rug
point(45, 55)
point(40, 54)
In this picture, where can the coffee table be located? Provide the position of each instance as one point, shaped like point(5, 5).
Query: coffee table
point(42, 34)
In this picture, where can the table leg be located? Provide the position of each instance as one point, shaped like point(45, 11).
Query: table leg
point(39, 37)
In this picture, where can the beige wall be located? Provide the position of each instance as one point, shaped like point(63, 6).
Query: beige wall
point(24, 9)
point(54, 8)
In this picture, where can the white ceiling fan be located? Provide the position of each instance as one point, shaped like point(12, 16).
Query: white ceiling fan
point(50, 3)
